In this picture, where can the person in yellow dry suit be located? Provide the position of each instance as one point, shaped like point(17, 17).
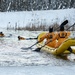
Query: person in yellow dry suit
point(62, 36)
point(1, 34)
point(55, 39)
point(21, 38)
point(50, 38)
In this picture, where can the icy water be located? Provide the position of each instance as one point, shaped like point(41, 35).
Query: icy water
point(38, 70)
point(14, 58)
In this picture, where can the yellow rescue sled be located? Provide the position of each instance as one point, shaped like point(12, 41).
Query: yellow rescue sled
point(62, 49)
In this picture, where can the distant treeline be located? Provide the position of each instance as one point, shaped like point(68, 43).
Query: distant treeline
point(56, 27)
point(29, 5)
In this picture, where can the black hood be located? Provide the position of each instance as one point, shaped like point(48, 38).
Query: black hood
point(63, 24)
point(1, 33)
point(61, 28)
point(50, 29)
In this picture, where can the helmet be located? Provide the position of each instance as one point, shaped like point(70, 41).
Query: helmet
point(50, 29)
point(1, 33)
point(18, 36)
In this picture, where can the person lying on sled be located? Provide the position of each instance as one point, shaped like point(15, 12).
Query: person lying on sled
point(1, 34)
point(21, 38)
point(49, 38)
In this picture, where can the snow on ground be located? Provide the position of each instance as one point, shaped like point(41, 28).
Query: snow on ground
point(47, 17)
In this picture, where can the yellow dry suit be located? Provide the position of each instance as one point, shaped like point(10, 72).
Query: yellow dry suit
point(62, 36)
point(51, 39)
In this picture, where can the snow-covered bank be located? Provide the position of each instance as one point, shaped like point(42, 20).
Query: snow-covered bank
point(47, 17)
